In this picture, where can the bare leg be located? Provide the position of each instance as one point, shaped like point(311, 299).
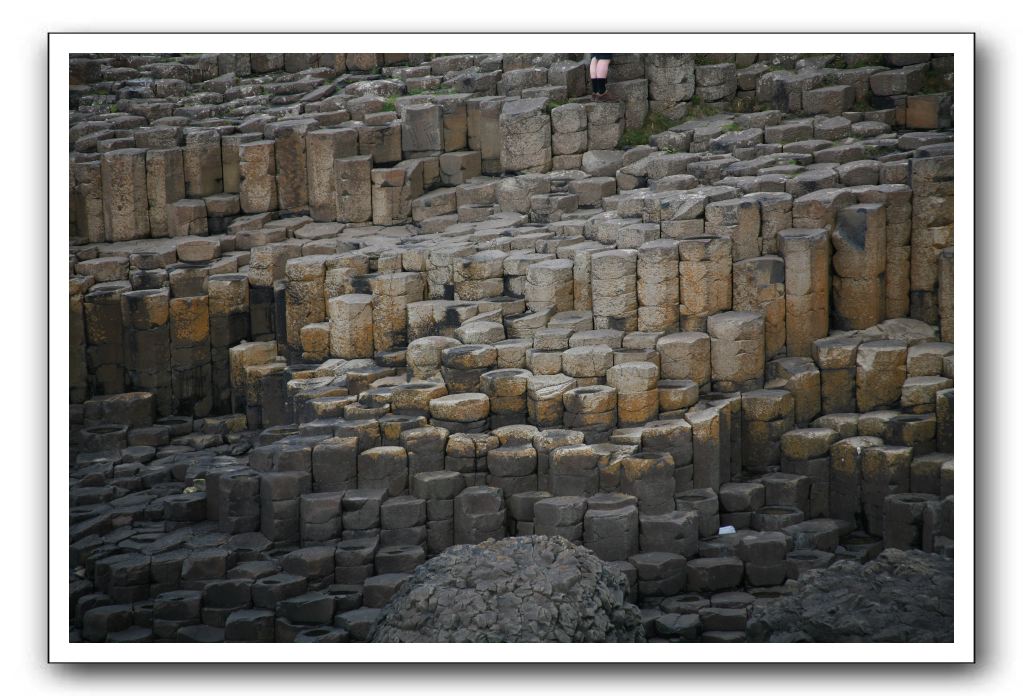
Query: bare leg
point(601, 67)
point(593, 68)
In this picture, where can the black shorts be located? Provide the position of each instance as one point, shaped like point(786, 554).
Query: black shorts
point(601, 56)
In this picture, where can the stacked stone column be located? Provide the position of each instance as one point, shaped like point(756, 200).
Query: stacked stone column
point(257, 168)
point(801, 378)
point(880, 373)
point(426, 447)
point(898, 208)
point(483, 130)
point(657, 286)
point(614, 293)
point(650, 478)
point(858, 286)
point(775, 216)
point(549, 285)
point(672, 80)
point(884, 470)
point(569, 140)
point(676, 438)
point(807, 260)
point(267, 266)
point(463, 366)
point(705, 280)
point(592, 410)
point(560, 516)
point(545, 399)
point(686, 355)
point(392, 293)
point(289, 138)
point(104, 334)
point(758, 285)
point(836, 358)
point(231, 158)
point(806, 452)
point(736, 350)
point(165, 184)
point(323, 147)
point(506, 389)
point(351, 326)
point(479, 276)
point(605, 124)
point(304, 297)
point(479, 514)
point(353, 185)
point(545, 442)
point(391, 196)
point(439, 489)
point(587, 364)
point(525, 132)
point(573, 471)
point(845, 501)
point(767, 414)
point(932, 180)
point(125, 194)
point(512, 467)
point(191, 371)
point(78, 377)
point(946, 294)
point(611, 527)
point(737, 220)
point(146, 319)
point(87, 201)
point(340, 272)
point(203, 164)
point(638, 399)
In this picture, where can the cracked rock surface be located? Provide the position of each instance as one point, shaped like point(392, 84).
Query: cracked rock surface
point(901, 596)
point(520, 589)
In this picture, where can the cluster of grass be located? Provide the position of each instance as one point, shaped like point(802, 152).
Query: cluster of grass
point(862, 104)
point(654, 124)
point(555, 103)
point(697, 109)
point(390, 103)
point(704, 59)
point(830, 80)
point(871, 61)
point(731, 127)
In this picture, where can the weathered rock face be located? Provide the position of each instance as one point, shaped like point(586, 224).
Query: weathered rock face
point(902, 596)
point(517, 590)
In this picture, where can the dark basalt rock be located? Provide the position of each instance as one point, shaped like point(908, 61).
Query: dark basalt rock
point(520, 589)
point(901, 596)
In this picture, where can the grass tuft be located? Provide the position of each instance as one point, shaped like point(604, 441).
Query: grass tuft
point(654, 124)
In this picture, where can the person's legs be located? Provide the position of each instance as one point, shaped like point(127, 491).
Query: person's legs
point(600, 63)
